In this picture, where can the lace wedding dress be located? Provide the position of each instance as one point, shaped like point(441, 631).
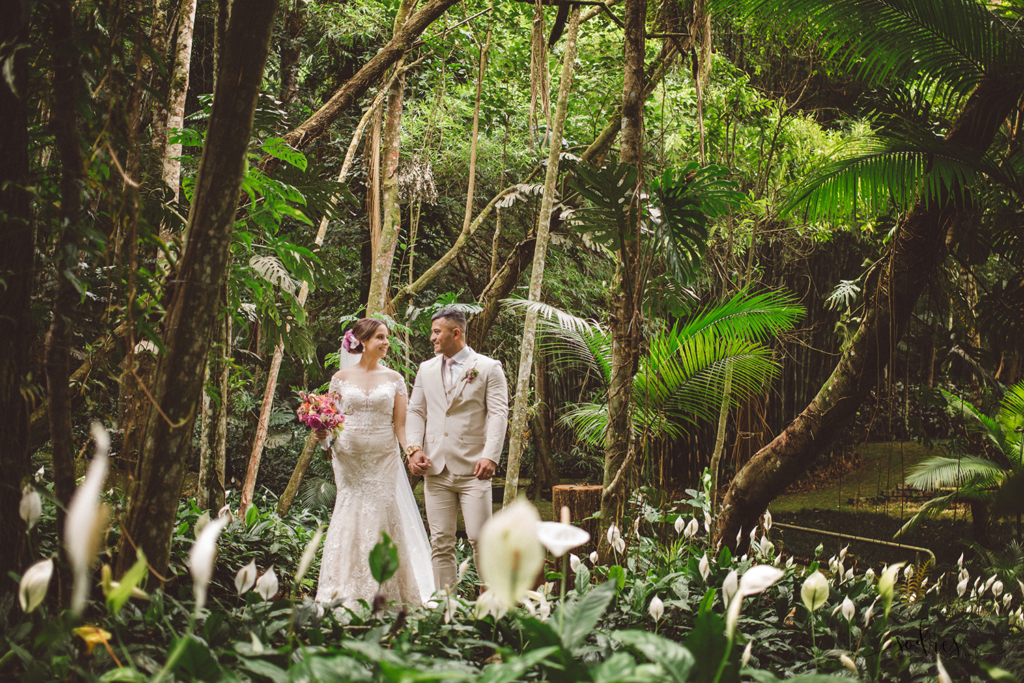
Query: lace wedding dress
point(373, 496)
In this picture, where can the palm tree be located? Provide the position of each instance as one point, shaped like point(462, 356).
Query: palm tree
point(974, 60)
point(976, 479)
point(682, 376)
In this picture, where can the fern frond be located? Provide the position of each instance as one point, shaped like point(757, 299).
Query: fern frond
point(747, 316)
point(937, 472)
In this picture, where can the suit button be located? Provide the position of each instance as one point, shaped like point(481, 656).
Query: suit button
point(446, 433)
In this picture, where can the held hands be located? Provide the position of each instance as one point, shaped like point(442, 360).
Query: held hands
point(484, 469)
point(419, 463)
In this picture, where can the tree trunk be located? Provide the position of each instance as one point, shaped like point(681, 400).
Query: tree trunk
point(284, 503)
point(517, 425)
point(191, 313)
point(911, 261)
point(500, 286)
point(545, 475)
point(348, 94)
point(176, 92)
point(624, 320)
point(213, 439)
point(16, 264)
point(291, 51)
point(384, 254)
point(582, 501)
point(57, 345)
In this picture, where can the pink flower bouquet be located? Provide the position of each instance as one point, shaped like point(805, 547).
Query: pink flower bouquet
point(322, 412)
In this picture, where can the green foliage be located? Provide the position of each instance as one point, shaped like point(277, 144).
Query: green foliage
point(384, 559)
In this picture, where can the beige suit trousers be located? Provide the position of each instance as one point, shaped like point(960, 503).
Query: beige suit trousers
point(443, 494)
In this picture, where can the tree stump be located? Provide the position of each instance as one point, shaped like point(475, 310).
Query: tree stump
point(582, 501)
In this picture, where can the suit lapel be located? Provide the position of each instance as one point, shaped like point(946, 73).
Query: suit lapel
point(461, 383)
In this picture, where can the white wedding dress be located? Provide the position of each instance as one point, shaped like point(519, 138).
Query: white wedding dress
point(373, 496)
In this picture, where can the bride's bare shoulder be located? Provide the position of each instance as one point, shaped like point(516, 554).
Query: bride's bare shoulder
point(394, 376)
point(345, 374)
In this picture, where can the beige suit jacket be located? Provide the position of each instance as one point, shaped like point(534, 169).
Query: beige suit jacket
point(458, 427)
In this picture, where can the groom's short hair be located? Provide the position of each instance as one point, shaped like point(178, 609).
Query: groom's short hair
point(453, 316)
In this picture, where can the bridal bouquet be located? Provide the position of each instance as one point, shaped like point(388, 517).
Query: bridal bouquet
point(322, 412)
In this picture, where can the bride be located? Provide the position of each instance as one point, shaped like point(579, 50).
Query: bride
point(374, 495)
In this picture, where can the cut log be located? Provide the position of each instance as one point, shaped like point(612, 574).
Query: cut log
point(582, 501)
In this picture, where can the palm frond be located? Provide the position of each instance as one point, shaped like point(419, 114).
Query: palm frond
point(954, 43)
point(966, 471)
point(1011, 421)
point(566, 321)
point(588, 351)
point(977, 421)
point(875, 173)
point(588, 422)
point(746, 316)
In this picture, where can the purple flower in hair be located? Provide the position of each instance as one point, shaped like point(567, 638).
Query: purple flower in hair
point(350, 343)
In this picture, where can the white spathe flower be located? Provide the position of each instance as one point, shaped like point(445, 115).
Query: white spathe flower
point(908, 573)
point(988, 584)
point(560, 538)
point(308, 554)
point(613, 535)
point(767, 547)
point(201, 557)
point(849, 610)
point(960, 562)
point(86, 520)
point(745, 658)
point(842, 553)
point(849, 574)
point(40, 472)
point(33, 585)
point(730, 586)
point(679, 524)
point(814, 592)
point(620, 545)
point(463, 568)
point(964, 575)
point(574, 562)
point(510, 554)
point(1007, 599)
point(767, 520)
point(691, 529)
point(594, 557)
point(753, 535)
point(754, 580)
point(267, 585)
point(848, 663)
point(657, 608)
point(543, 608)
point(245, 578)
point(31, 506)
point(961, 588)
point(490, 603)
point(887, 585)
point(739, 536)
point(997, 589)
point(201, 523)
point(943, 675)
point(789, 562)
point(705, 567)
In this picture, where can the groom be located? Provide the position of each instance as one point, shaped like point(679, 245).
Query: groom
point(457, 417)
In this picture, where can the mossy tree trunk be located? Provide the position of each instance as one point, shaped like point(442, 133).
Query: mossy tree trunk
point(192, 311)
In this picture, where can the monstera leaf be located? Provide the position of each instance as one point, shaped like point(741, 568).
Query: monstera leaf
point(609, 219)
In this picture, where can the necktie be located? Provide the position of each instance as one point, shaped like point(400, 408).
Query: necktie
point(448, 363)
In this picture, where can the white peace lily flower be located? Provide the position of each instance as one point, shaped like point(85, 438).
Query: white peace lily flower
point(39, 473)
point(1021, 584)
point(490, 603)
point(739, 536)
point(849, 610)
point(1007, 599)
point(705, 567)
point(267, 585)
point(201, 523)
point(560, 538)
point(257, 646)
point(908, 573)
point(943, 675)
point(848, 663)
point(743, 558)
point(463, 568)
point(679, 525)
point(245, 578)
point(960, 562)
point(767, 547)
point(692, 528)
point(924, 582)
point(201, 557)
point(815, 591)
point(86, 520)
point(745, 657)
point(849, 575)
point(997, 589)
point(308, 554)
point(753, 534)
point(988, 584)
point(730, 586)
point(961, 588)
point(840, 569)
point(510, 554)
point(835, 610)
point(657, 608)
point(789, 562)
point(885, 646)
point(594, 557)
point(887, 585)
point(778, 559)
point(34, 583)
point(867, 613)
point(574, 563)
point(832, 563)
point(31, 506)
point(613, 534)
point(636, 526)
point(754, 580)
point(620, 546)
point(842, 553)
point(767, 520)
point(964, 575)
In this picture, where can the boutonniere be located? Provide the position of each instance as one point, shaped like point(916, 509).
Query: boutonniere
point(470, 375)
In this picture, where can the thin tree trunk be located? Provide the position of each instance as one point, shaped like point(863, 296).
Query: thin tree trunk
point(348, 94)
point(624, 322)
point(716, 456)
point(212, 441)
point(517, 426)
point(291, 51)
point(16, 263)
point(176, 92)
point(57, 345)
point(545, 476)
point(912, 259)
point(191, 313)
point(384, 254)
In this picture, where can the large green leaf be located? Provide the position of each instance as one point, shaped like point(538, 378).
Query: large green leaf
point(582, 616)
point(675, 659)
point(609, 218)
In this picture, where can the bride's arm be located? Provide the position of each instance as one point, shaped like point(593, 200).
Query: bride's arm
point(399, 417)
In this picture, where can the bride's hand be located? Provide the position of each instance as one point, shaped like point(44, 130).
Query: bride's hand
point(319, 434)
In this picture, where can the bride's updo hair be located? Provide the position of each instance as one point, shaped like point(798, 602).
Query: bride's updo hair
point(361, 331)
